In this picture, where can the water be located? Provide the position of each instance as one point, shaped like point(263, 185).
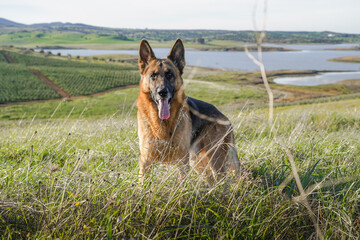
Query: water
point(306, 57)
point(320, 79)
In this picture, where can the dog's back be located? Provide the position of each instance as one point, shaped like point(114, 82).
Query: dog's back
point(212, 139)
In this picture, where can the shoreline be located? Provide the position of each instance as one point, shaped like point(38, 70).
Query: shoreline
point(205, 48)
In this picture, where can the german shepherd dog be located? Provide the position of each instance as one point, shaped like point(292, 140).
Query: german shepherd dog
point(174, 128)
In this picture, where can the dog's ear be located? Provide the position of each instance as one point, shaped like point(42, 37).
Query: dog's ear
point(145, 55)
point(177, 55)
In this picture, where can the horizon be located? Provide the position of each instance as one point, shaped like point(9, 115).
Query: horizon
point(173, 29)
point(231, 15)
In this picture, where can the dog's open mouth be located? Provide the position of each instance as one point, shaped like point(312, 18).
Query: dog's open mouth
point(163, 105)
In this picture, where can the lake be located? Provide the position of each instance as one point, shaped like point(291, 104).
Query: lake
point(306, 57)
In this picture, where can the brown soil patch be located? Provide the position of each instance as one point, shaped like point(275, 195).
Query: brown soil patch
point(49, 82)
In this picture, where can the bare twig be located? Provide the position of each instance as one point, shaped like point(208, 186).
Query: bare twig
point(259, 61)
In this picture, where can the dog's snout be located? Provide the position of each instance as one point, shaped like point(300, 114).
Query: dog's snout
point(163, 92)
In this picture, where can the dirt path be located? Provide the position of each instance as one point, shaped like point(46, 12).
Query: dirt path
point(8, 58)
point(49, 82)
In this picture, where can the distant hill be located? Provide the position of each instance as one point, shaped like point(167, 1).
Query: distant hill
point(7, 23)
point(48, 24)
point(99, 34)
point(61, 24)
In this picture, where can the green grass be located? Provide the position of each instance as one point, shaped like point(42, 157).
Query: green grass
point(99, 106)
point(39, 38)
point(90, 107)
point(34, 61)
point(69, 168)
point(219, 93)
point(241, 77)
point(18, 83)
point(223, 76)
point(77, 179)
point(2, 58)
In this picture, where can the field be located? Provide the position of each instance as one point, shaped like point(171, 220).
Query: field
point(87, 81)
point(76, 77)
point(81, 76)
point(18, 83)
point(2, 58)
point(77, 179)
point(69, 166)
point(39, 38)
point(32, 59)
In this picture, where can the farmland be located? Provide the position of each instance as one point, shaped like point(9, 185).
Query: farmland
point(39, 60)
point(76, 77)
point(86, 81)
point(2, 58)
point(18, 83)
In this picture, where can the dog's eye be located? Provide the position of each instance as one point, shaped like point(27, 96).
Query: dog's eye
point(153, 76)
point(168, 75)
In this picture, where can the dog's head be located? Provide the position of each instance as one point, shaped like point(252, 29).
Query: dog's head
point(161, 78)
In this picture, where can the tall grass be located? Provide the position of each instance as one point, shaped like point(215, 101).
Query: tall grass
point(78, 179)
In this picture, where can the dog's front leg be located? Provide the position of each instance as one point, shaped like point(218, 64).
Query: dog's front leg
point(145, 167)
point(145, 163)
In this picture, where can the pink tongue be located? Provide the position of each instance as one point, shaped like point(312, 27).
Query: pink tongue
point(164, 111)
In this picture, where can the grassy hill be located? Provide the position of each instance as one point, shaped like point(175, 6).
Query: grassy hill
point(74, 34)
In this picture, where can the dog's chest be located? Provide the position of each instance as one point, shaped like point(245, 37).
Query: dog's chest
point(170, 142)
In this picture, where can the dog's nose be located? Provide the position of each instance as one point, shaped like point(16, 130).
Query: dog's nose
point(163, 92)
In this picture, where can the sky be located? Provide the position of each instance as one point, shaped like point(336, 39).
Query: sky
point(282, 15)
